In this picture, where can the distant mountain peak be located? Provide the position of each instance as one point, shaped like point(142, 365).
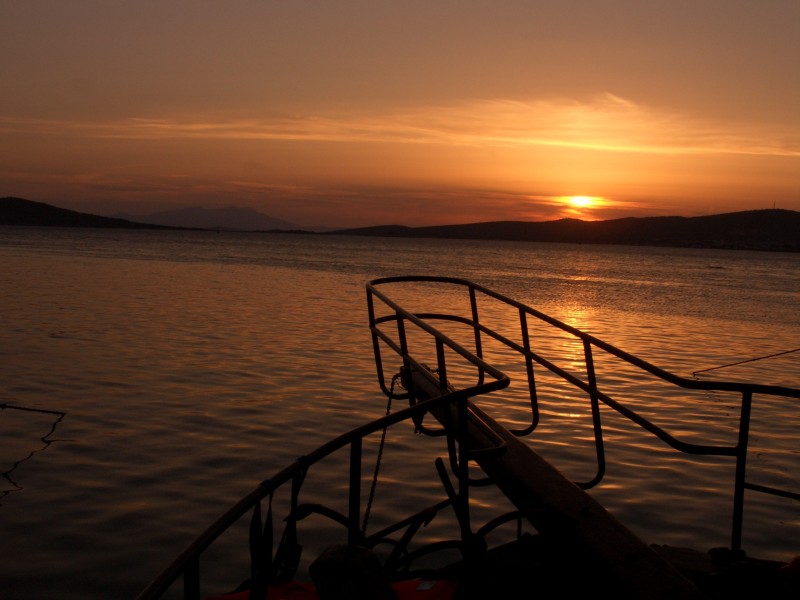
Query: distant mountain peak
point(240, 218)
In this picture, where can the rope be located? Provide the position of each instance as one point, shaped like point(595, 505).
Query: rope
point(378, 460)
point(749, 360)
point(45, 440)
point(4, 406)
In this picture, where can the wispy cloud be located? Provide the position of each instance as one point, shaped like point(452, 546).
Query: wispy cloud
point(606, 123)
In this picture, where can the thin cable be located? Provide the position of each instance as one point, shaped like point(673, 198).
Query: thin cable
point(378, 460)
point(741, 362)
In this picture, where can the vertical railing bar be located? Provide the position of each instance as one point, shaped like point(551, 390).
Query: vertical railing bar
point(473, 302)
point(741, 465)
point(354, 534)
point(407, 380)
point(255, 537)
point(594, 401)
point(463, 477)
point(401, 335)
point(441, 365)
point(376, 346)
point(261, 564)
point(268, 540)
point(526, 345)
point(287, 556)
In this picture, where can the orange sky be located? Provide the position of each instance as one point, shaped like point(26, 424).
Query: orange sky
point(362, 113)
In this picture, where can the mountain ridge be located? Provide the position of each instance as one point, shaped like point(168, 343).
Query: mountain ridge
point(229, 217)
point(765, 229)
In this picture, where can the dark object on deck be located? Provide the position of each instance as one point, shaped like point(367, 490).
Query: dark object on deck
point(725, 575)
point(350, 572)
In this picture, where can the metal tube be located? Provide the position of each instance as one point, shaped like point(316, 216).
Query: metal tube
point(741, 465)
point(354, 534)
point(596, 423)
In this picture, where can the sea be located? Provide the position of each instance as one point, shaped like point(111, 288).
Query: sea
point(149, 379)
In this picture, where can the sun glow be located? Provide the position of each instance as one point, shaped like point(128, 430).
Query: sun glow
point(582, 207)
point(582, 201)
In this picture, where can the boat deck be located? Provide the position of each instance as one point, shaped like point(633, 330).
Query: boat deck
point(533, 564)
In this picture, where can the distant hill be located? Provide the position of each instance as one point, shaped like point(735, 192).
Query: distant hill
point(230, 218)
point(771, 229)
point(16, 211)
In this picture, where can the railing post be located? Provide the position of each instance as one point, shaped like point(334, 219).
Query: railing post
point(596, 422)
point(741, 464)
point(401, 335)
point(463, 478)
point(473, 303)
point(376, 346)
point(526, 346)
point(256, 542)
point(441, 366)
point(354, 533)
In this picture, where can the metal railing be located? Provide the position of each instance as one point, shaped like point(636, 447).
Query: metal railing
point(274, 554)
point(399, 342)
point(269, 565)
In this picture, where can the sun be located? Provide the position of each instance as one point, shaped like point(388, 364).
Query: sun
point(582, 206)
point(581, 201)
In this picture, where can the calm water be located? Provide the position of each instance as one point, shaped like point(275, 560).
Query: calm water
point(190, 366)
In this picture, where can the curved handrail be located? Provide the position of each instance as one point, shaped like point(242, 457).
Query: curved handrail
point(589, 386)
point(611, 349)
point(186, 563)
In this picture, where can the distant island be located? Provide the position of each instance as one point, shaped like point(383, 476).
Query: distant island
point(19, 212)
point(768, 229)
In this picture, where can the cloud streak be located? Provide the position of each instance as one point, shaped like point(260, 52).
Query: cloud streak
point(607, 123)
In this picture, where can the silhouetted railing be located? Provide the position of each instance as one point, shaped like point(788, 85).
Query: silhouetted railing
point(272, 562)
point(400, 343)
point(274, 552)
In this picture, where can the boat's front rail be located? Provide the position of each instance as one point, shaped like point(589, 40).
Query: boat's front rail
point(419, 332)
point(444, 359)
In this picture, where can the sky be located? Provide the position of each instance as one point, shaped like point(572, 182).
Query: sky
point(357, 113)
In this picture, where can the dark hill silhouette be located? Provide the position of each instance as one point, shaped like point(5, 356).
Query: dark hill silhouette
point(16, 211)
point(771, 229)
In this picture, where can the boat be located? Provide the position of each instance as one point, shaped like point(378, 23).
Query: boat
point(312, 529)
